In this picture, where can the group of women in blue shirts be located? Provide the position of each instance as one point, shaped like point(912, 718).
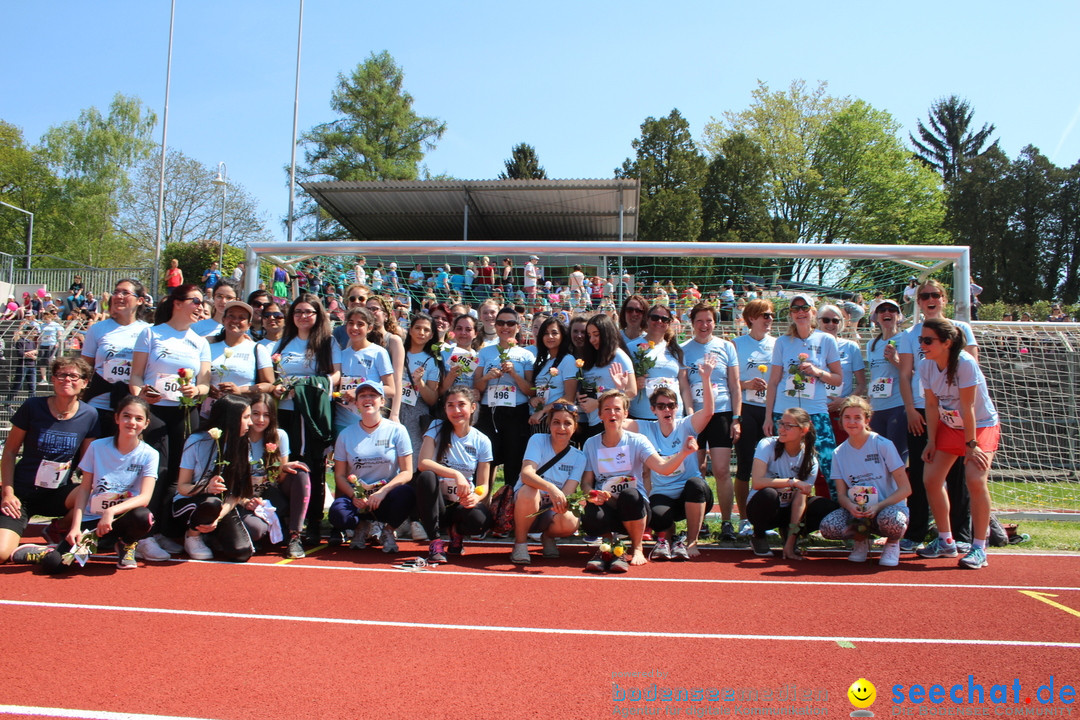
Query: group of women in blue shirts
point(608, 431)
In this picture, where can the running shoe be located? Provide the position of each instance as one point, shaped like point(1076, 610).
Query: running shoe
point(520, 554)
point(296, 547)
point(55, 532)
point(679, 551)
point(149, 549)
point(168, 544)
point(417, 531)
point(860, 552)
point(457, 543)
point(196, 548)
point(436, 551)
point(551, 548)
point(360, 535)
point(962, 547)
point(908, 546)
point(599, 562)
point(336, 538)
point(745, 529)
point(727, 532)
point(126, 557)
point(313, 534)
point(619, 564)
point(30, 554)
point(374, 537)
point(936, 549)
point(591, 540)
point(890, 555)
point(660, 551)
point(975, 559)
point(389, 542)
point(760, 546)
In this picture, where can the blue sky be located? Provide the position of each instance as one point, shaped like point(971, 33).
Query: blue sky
point(574, 79)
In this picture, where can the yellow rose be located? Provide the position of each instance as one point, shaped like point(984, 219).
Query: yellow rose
point(480, 490)
point(618, 551)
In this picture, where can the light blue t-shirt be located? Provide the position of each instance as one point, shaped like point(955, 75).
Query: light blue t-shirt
point(883, 381)
point(296, 364)
point(611, 465)
point(238, 364)
point(167, 351)
point(872, 465)
point(370, 363)
point(726, 357)
point(413, 362)
point(569, 467)
point(968, 374)
point(909, 344)
point(665, 372)
point(671, 485)
point(108, 346)
point(753, 354)
point(503, 389)
point(117, 476)
point(600, 378)
point(785, 466)
point(463, 455)
point(550, 387)
point(851, 361)
point(373, 456)
point(809, 393)
point(258, 450)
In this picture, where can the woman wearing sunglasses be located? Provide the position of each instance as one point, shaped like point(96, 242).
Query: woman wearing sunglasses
point(355, 296)
point(162, 352)
point(831, 321)
point(658, 362)
point(961, 421)
point(683, 494)
point(273, 325)
point(804, 361)
point(755, 351)
point(386, 333)
point(930, 299)
point(550, 471)
point(632, 318)
point(605, 366)
point(504, 379)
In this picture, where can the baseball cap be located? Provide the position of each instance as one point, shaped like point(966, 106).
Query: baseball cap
point(376, 386)
point(804, 297)
point(237, 303)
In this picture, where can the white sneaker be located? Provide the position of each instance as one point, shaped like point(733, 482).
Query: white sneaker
point(389, 542)
point(360, 535)
point(860, 551)
point(168, 544)
point(418, 532)
point(745, 529)
point(196, 548)
point(890, 555)
point(551, 548)
point(520, 554)
point(148, 549)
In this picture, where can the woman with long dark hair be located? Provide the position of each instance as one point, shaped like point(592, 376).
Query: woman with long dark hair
point(553, 371)
point(309, 369)
point(659, 350)
point(420, 379)
point(170, 369)
point(361, 360)
point(286, 484)
point(386, 333)
point(214, 492)
point(632, 318)
point(961, 421)
point(604, 366)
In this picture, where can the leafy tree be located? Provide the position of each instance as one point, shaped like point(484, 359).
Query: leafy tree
point(25, 182)
point(1035, 183)
point(92, 158)
point(950, 141)
point(192, 207)
point(1065, 255)
point(980, 207)
point(523, 164)
point(734, 206)
point(377, 136)
point(671, 172)
point(195, 257)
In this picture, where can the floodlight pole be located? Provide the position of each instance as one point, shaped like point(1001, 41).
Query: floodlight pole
point(155, 282)
point(295, 118)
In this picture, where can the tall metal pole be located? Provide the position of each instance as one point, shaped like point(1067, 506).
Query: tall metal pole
point(29, 232)
point(222, 180)
point(295, 118)
point(155, 282)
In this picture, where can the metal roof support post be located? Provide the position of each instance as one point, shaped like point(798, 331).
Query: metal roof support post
point(251, 274)
point(962, 286)
point(622, 271)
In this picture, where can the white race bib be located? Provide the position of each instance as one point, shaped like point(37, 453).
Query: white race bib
point(350, 383)
point(805, 391)
point(617, 484)
point(881, 388)
point(832, 391)
point(50, 474)
point(117, 369)
point(101, 501)
point(784, 495)
point(754, 397)
point(168, 385)
point(501, 396)
point(951, 418)
point(408, 395)
point(698, 391)
point(449, 488)
point(863, 495)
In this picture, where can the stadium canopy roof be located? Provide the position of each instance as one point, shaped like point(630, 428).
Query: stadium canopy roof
point(502, 210)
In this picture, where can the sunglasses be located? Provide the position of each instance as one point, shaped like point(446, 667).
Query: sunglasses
point(357, 298)
point(768, 316)
point(923, 340)
point(639, 311)
point(930, 296)
point(192, 300)
point(506, 323)
point(829, 321)
point(274, 316)
point(660, 318)
point(665, 405)
point(800, 308)
point(565, 407)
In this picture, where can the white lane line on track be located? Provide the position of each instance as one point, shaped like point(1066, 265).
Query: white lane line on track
point(89, 714)
point(630, 578)
point(539, 630)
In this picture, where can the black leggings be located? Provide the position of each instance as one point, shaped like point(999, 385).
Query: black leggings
point(166, 434)
point(753, 422)
point(919, 506)
point(508, 430)
point(236, 532)
point(765, 512)
point(435, 514)
point(667, 510)
point(129, 528)
point(630, 505)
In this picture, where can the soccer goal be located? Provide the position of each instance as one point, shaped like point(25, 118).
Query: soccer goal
point(1030, 368)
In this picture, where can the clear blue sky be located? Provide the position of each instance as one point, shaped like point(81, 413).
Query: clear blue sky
point(573, 79)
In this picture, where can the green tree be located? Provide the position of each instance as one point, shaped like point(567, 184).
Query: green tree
point(980, 208)
point(671, 172)
point(377, 136)
point(195, 257)
point(1036, 182)
point(92, 157)
point(1066, 237)
point(25, 182)
point(950, 141)
point(192, 207)
point(523, 164)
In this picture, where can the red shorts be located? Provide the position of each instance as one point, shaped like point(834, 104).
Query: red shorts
point(952, 441)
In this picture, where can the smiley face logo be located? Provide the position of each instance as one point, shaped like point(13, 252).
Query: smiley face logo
point(862, 693)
